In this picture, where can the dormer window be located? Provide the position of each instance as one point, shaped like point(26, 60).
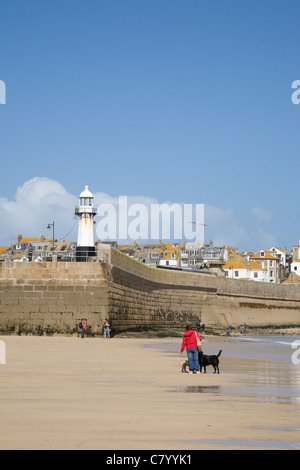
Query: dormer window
point(262, 254)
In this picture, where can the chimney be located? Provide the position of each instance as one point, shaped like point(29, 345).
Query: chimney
point(20, 238)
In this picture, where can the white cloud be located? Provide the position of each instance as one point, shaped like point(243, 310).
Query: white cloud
point(262, 214)
point(42, 200)
point(38, 202)
point(225, 228)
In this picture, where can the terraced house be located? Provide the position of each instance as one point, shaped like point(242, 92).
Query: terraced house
point(269, 261)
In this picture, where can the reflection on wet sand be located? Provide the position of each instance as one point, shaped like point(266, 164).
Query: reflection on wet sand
point(263, 366)
point(197, 389)
point(263, 372)
point(255, 444)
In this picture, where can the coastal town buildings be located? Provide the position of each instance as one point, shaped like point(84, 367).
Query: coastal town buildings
point(275, 265)
point(38, 249)
point(238, 267)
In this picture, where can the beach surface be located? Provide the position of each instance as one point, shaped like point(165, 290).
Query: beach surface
point(130, 394)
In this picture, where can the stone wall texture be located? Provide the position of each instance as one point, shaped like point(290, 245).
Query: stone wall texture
point(52, 297)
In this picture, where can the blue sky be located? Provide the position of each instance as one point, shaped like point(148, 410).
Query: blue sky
point(181, 101)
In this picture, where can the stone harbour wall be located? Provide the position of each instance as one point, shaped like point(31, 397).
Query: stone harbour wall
point(141, 297)
point(52, 297)
point(43, 298)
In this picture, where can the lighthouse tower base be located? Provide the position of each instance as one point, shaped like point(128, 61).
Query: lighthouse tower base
point(83, 253)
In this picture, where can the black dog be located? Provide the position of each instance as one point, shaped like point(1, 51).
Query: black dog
point(205, 360)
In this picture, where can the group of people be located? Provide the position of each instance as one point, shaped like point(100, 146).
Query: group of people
point(106, 328)
point(189, 342)
point(243, 329)
point(201, 327)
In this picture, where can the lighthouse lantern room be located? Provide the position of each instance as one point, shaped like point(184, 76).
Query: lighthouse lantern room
point(85, 211)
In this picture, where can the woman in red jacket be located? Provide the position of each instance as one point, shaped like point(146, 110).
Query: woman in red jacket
point(190, 343)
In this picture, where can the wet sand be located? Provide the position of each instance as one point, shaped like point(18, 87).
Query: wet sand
point(129, 394)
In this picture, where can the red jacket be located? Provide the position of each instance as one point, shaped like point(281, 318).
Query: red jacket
point(189, 340)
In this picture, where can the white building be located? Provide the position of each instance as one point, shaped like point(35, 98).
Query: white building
point(284, 257)
point(168, 262)
point(240, 268)
point(295, 267)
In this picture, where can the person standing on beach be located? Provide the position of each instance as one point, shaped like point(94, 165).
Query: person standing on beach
point(82, 325)
point(189, 343)
point(106, 328)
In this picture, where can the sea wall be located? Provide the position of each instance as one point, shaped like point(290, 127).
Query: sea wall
point(141, 296)
point(52, 297)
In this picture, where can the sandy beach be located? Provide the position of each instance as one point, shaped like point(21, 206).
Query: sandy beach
point(129, 394)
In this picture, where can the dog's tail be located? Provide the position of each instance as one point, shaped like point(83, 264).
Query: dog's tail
point(219, 353)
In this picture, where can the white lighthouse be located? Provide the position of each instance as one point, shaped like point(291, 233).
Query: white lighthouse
point(85, 212)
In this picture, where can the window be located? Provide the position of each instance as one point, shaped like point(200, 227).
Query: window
point(262, 254)
point(236, 274)
point(255, 274)
point(86, 201)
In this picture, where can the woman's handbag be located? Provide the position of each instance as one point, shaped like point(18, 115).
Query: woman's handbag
point(199, 345)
